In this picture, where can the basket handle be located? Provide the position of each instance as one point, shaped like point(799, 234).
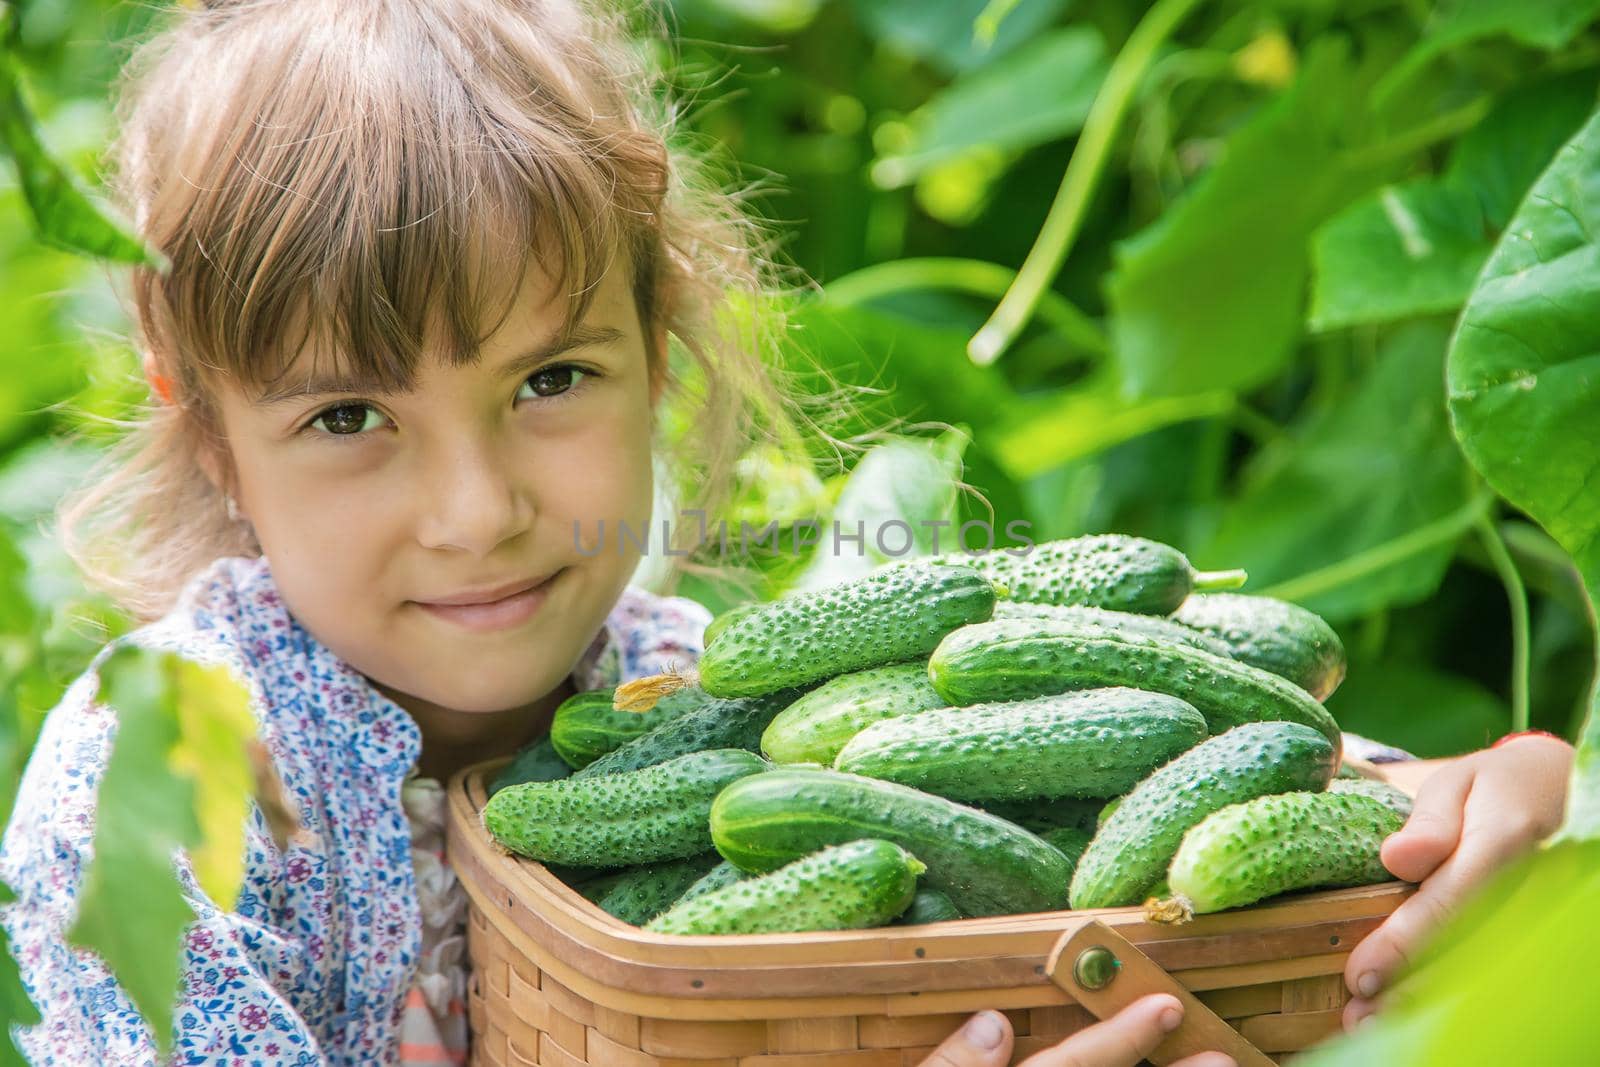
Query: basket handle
point(1105, 972)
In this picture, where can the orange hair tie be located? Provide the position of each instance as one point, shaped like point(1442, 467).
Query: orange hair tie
point(159, 383)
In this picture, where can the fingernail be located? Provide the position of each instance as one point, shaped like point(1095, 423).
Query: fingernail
point(1367, 1020)
point(1170, 1019)
point(984, 1030)
point(1369, 983)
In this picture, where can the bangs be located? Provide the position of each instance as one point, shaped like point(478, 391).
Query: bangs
point(368, 212)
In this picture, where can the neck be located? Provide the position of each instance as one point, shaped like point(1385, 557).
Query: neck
point(453, 739)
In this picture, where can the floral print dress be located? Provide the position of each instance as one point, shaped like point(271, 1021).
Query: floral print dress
point(346, 947)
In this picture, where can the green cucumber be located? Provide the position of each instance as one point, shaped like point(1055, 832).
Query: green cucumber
point(711, 723)
point(1093, 743)
point(537, 762)
point(724, 873)
point(1275, 844)
point(1272, 634)
point(1105, 813)
point(846, 887)
point(1396, 798)
point(1042, 815)
point(1071, 841)
point(1016, 659)
point(814, 728)
point(640, 894)
point(1153, 626)
point(644, 816)
point(928, 906)
point(718, 622)
point(1130, 852)
point(985, 865)
point(587, 726)
point(893, 614)
point(1103, 571)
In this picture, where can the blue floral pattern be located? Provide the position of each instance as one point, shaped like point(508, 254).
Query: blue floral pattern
point(313, 964)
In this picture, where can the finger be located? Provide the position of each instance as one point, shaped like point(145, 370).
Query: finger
point(1121, 1041)
point(1389, 948)
point(1358, 1011)
point(1434, 828)
point(985, 1041)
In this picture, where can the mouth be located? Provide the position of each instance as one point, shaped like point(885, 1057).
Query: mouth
point(507, 611)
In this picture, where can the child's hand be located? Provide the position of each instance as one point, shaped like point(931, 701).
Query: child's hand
point(1471, 818)
point(1121, 1041)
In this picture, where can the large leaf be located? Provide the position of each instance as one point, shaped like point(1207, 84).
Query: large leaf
point(1416, 248)
point(63, 213)
point(1366, 474)
point(1524, 381)
point(182, 732)
point(1041, 92)
point(1425, 711)
point(1547, 24)
point(1209, 297)
point(944, 34)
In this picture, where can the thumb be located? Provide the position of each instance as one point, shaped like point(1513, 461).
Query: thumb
point(984, 1042)
point(1432, 832)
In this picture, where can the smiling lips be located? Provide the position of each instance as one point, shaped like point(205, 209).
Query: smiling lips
point(483, 616)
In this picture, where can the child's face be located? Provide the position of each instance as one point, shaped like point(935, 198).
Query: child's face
point(474, 481)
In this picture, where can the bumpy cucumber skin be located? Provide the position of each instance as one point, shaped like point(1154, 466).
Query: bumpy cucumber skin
point(1272, 634)
point(711, 723)
point(896, 613)
point(638, 895)
point(1015, 659)
point(724, 873)
point(1153, 626)
point(1130, 853)
point(1040, 816)
point(984, 864)
point(1093, 743)
point(847, 887)
point(587, 726)
point(1391, 795)
point(538, 762)
point(1275, 844)
point(1103, 571)
point(928, 906)
point(814, 728)
point(645, 816)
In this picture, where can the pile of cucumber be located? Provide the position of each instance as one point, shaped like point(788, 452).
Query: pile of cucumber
point(1092, 724)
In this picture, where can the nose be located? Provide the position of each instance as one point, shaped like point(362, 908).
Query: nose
point(474, 498)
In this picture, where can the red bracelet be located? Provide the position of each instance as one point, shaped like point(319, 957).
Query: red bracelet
point(1524, 733)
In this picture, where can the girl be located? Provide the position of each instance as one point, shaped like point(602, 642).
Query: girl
point(439, 288)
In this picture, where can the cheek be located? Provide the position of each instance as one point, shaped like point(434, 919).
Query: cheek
point(603, 470)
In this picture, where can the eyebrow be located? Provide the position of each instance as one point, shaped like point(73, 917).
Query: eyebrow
point(328, 385)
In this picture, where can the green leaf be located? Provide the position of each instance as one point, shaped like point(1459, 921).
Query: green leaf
point(1423, 710)
point(1090, 416)
point(1039, 93)
point(1378, 467)
point(1415, 249)
point(1522, 949)
point(1546, 24)
point(63, 213)
point(1524, 384)
point(942, 34)
point(1209, 297)
point(895, 491)
point(172, 717)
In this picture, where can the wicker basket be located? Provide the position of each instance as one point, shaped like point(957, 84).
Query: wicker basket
point(560, 983)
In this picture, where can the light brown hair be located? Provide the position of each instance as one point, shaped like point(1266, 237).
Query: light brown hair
point(331, 171)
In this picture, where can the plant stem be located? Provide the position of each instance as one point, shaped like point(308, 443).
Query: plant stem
point(967, 276)
point(1083, 171)
point(1517, 595)
point(1439, 532)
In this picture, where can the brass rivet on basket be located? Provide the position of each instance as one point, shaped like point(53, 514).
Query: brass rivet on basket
point(1095, 967)
point(1334, 940)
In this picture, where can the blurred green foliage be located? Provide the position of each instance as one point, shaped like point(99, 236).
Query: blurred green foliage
point(1241, 351)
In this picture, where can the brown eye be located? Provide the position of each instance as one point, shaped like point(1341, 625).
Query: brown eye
point(553, 381)
point(346, 420)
